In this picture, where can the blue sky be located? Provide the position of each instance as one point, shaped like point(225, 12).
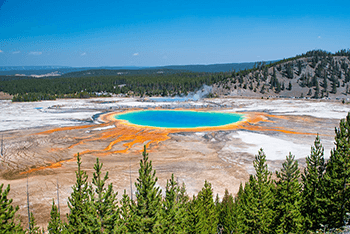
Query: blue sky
point(157, 33)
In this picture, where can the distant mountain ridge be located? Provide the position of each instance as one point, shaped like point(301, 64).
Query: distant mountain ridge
point(60, 70)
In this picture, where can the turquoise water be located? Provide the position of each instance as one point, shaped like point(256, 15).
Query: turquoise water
point(179, 119)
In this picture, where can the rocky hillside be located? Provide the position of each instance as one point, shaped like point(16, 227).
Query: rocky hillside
point(316, 74)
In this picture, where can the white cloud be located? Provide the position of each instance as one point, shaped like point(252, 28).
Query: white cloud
point(135, 54)
point(35, 53)
point(83, 54)
point(1, 51)
point(319, 37)
point(16, 52)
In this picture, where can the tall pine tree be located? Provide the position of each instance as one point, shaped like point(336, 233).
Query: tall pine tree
point(288, 198)
point(337, 177)
point(33, 228)
point(126, 222)
point(148, 195)
point(173, 213)
point(257, 203)
point(226, 213)
point(207, 213)
point(104, 214)
point(313, 205)
point(78, 203)
point(55, 224)
point(8, 223)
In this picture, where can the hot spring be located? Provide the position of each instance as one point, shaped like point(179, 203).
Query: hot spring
point(179, 118)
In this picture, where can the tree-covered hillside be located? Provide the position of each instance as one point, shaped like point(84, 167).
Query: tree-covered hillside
point(315, 74)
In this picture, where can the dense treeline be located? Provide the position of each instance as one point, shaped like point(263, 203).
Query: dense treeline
point(295, 202)
point(140, 85)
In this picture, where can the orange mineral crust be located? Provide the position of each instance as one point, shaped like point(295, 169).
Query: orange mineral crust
point(120, 136)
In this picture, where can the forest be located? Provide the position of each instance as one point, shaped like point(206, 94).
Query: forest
point(154, 84)
point(314, 200)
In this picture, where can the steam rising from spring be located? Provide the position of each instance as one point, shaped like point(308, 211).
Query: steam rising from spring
point(203, 92)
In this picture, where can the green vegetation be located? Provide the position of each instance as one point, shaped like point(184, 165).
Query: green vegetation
point(314, 201)
point(34, 89)
point(8, 222)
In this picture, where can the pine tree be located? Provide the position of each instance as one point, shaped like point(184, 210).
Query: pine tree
point(264, 192)
point(173, 214)
point(325, 84)
point(288, 198)
point(78, 203)
point(126, 222)
point(7, 213)
point(226, 213)
point(147, 207)
point(334, 84)
point(337, 176)
point(103, 203)
point(55, 224)
point(313, 187)
point(183, 197)
point(245, 217)
point(33, 228)
point(238, 212)
point(207, 213)
point(317, 90)
point(257, 203)
point(192, 215)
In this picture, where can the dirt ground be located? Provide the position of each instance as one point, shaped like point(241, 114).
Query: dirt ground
point(5, 96)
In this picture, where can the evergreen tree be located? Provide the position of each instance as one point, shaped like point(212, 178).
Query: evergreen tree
point(317, 90)
point(313, 207)
point(33, 228)
point(148, 205)
point(325, 83)
point(244, 220)
point(238, 215)
point(104, 204)
point(299, 67)
point(226, 213)
point(55, 224)
point(193, 215)
point(258, 198)
point(337, 176)
point(173, 214)
point(288, 198)
point(7, 213)
point(207, 213)
point(183, 197)
point(334, 84)
point(126, 221)
point(78, 203)
point(289, 71)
